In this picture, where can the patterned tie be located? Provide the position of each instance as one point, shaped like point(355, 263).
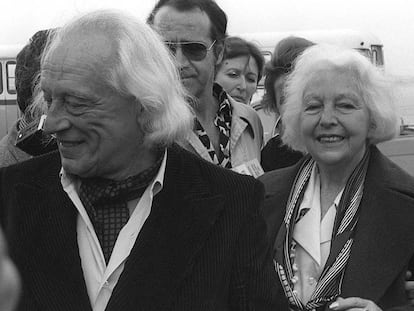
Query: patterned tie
point(106, 203)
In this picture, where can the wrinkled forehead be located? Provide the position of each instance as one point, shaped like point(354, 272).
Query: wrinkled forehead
point(88, 50)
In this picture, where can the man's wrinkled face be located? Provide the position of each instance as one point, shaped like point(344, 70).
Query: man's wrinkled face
point(174, 26)
point(97, 129)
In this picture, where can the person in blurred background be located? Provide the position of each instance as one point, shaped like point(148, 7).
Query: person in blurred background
point(341, 219)
point(9, 279)
point(226, 132)
point(275, 154)
point(241, 69)
point(24, 139)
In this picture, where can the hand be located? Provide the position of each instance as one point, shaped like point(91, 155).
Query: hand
point(409, 287)
point(354, 304)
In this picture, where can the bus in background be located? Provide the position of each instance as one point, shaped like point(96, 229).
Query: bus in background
point(9, 110)
point(365, 42)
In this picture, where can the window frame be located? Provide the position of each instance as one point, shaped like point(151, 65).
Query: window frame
point(8, 77)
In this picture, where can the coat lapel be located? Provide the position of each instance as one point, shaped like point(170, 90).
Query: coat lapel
point(240, 121)
point(195, 143)
point(182, 215)
point(49, 218)
point(383, 242)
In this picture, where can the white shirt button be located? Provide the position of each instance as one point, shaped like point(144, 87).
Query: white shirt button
point(312, 280)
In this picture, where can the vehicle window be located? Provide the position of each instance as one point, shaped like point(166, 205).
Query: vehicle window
point(374, 57)
point(10, 76)
point(1, 78)
point(378, 54)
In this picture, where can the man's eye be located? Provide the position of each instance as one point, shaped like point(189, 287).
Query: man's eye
point(76, 102)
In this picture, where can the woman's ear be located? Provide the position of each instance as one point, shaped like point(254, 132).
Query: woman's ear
point(139, 109)
point(371, 129)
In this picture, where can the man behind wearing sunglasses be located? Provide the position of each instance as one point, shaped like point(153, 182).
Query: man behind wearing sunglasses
point(226, 132)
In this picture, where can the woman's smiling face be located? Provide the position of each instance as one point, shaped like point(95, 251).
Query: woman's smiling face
point(334, 120)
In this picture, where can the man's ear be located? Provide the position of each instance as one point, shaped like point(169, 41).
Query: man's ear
point(219, 49)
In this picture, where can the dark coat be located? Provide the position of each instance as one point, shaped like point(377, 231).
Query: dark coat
point(203, 246)
point(383, 246)
point(276, 155)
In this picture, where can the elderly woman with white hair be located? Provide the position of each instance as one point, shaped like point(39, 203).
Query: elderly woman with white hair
point(341, 220)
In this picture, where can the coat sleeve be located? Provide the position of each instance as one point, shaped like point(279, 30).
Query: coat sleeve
point(254, 284)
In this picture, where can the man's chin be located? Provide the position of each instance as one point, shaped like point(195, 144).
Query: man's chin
point(76, 167)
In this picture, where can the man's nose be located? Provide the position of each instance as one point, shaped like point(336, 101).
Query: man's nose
point(56, 120)
point(180, 57)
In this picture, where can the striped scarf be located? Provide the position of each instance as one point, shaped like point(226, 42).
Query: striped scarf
point(222, 122)
point(328, 287)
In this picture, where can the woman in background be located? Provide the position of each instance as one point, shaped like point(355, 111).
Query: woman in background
point(341, 220)
point(241, 69)
point(275, 154)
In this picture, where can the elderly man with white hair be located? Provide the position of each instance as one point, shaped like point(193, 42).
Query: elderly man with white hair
point(122, 218)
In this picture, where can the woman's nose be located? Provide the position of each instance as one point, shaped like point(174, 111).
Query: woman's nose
point(241, 84)
point(328, 116)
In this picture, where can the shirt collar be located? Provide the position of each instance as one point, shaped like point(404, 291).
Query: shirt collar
point(156, 185)
point(311, 190)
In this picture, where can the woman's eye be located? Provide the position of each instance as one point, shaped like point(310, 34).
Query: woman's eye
point(251, 79)
point(313, 107)
point(346, 106)
point(232, 74)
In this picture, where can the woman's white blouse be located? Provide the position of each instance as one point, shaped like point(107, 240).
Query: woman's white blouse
point(313, 239)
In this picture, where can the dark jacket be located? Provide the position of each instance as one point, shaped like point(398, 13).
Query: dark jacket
point(383, 246)
point(203, 246)
point(276, 155)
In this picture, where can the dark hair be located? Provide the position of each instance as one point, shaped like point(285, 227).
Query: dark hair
point(216, 15)
point(28, 67)
point(283, 59)
point(235, 47)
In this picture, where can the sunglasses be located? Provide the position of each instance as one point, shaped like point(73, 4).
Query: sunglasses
point(196, 51)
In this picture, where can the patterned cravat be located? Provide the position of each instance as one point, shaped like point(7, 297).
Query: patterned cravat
point(106, 203)
point(222, 122)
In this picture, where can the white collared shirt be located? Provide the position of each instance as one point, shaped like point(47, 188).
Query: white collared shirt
point(313, 238)
point(100, 278)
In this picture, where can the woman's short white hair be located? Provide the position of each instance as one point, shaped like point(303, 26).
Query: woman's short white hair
point(142, 68)
point(373, 85)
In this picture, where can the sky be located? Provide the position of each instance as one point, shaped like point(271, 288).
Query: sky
point(392, 21)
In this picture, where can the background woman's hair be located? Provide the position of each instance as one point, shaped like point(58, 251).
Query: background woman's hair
point(281, 63)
